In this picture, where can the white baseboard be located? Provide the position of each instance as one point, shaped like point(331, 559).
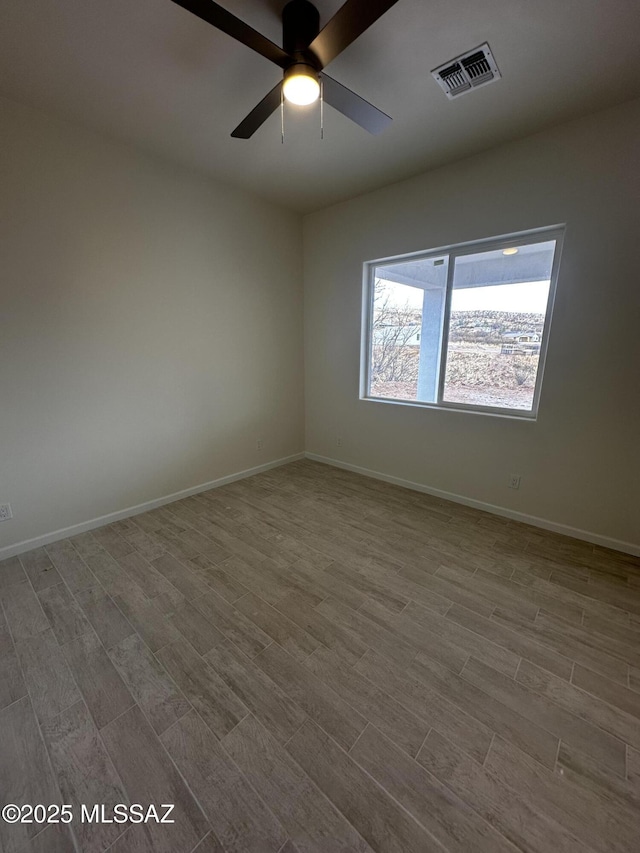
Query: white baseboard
point(84, 526)
point(544, 523)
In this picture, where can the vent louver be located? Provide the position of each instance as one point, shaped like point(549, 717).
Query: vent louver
point(473, 69)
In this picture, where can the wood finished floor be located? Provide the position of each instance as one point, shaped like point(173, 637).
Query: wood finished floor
point(309, 660)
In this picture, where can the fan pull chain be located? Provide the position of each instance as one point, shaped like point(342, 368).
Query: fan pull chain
point(321, 108)
point(282, 113)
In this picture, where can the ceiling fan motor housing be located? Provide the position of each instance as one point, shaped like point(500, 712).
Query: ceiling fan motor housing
point(300, 25)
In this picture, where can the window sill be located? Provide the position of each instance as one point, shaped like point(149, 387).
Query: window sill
point(509, 414)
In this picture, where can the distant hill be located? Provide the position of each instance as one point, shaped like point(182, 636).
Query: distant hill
point(490, 326)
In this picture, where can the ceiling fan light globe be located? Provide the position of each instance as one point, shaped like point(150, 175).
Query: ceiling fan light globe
point(301, 88)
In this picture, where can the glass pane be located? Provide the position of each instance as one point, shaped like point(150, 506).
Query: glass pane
point(406, 330)
point(498, 309)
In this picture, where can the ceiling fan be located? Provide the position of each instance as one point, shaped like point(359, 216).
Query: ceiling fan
point(305, 52)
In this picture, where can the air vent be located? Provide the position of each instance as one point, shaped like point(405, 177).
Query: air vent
point(469, 71)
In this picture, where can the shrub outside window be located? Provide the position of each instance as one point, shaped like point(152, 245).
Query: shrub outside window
point(465, 327)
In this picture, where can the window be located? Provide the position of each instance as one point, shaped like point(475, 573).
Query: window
point(464, 328)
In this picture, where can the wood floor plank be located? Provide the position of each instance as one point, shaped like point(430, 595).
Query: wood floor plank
point(378, 818)
point(511, 814)
point(152, 625)
point(372, 589)
point(616, 597)
point(145, 544)
point(145, 575)
point(109, 574)
point(180, 576)
point(12, 686)
point(56, 838)
point(456, 635)
point(216, 703)
point(26, 774)
point(70, 565)
point(343, 642)
point(240, 819)
point(605, 826)
point(586, 773)
point(512, 640)
point(6, 643)
point(105, 618)
point(609, 691)
point(210, 844)
point(149, 776)
point(448, 818)
point(493, 713)
point(112, 542)
point(315, 581)
point(135, 840)
point(149, 683)
point(102, 688)
point(86, 545)
point(371, 634)
point(66, 618)
point(304, 811)
point(489, 588)
point(11, 572)
point(267, 587)
point(279, 627)
point(627, 634)
point(429, 705)
point(623, 651)
point(314, 696)
point(85, 774)
point(47, 675)
point(633, 768)
point(533, 594)
point(232, 623)
point(564, 644)
point(624, 727)
point(392, 718)
point(446, 589)
point(216, 578)
point(39, 568)
point(409, 589)
point(526, 699)
point(194, 627)
point(23, 611)
point(564, 595)
point(270, 704)
point(416, 634)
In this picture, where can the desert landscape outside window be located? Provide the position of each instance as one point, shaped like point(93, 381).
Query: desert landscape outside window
point(463, 328)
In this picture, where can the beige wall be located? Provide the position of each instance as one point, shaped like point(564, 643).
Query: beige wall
point(579, 462)
point(150, 327)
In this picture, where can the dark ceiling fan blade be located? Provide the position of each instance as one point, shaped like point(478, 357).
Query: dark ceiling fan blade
point(258, 115)
point(218, 17)
point(349, 22)
point(353, 106)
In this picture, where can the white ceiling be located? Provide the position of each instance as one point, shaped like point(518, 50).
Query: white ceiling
point(149, 73)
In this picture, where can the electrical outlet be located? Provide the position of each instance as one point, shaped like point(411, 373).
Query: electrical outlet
point(259, 444)
point(339, 441)
point(5, 512)
point(514, 481)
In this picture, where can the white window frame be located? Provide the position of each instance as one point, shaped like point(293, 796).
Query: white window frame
point(522, 238)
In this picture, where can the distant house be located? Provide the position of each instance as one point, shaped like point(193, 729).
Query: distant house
point(522, 337)
point(397, 335)
point(523, 343)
